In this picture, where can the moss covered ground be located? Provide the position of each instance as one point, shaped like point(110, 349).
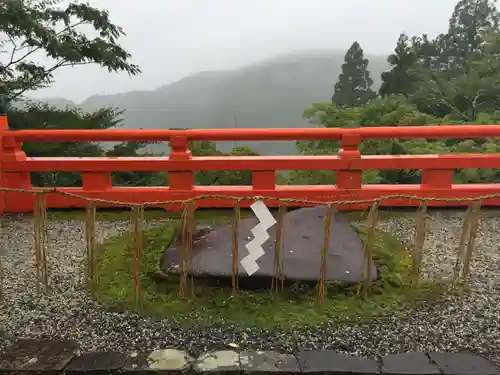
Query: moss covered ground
point(206, 305)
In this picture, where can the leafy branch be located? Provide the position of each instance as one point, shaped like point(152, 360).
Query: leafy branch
point(31, 27)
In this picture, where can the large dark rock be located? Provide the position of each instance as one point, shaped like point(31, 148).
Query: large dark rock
point(303, 243)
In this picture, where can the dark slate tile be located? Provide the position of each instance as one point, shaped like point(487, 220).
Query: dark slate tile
point(327, 362)
point(222, 362)
point(266, 362)
point(159, 362)
point(463, 364)
point(96, 363)
point(37, 357)
point(408, 364)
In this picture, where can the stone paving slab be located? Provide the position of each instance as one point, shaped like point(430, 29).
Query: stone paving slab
point(409, 364)
point(30, 356)
point(463, 364)
point(224, 362)
point(327, 362)
point(96, 363)
point(62, 357)
point(267, 362)
point(159, 362)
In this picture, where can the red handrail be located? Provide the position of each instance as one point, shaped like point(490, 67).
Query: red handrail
point(436, 182)
point(386, 132)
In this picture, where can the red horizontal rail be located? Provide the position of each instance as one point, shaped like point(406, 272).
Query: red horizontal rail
point(428, 162)
point(211, 163)
point(386, 132)
point(253, 163)
point(436, 170)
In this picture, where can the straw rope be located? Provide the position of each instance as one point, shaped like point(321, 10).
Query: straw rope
point(462, 267)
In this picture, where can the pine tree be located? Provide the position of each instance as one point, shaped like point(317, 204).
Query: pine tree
point(429, 52)
point(400, 80)
point(353, 87)
point(469, 20)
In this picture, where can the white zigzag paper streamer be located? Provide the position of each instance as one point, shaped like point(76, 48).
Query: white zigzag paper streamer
point(260, 236)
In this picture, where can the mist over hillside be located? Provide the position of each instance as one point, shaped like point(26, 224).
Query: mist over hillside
point(269, 94)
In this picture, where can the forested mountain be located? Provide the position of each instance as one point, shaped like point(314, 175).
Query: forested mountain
point(273, 93)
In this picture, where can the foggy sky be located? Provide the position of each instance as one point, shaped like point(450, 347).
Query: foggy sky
point(170, 39)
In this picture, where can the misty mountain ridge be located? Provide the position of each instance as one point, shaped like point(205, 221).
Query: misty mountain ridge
point(269, 94)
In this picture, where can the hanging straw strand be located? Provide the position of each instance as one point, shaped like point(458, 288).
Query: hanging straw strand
point(187, 222)
point(462, 247)
point(235, 248)
point(324, 254)
point(39, 221)
point(91, 242)
point(368, 249)
point(3, 248)
point(283, 239)
point(182, 283)
point(278, 245)
point(189, 250)
point(474, 224)
point(45, 264)
point(36, 228)
point(418, 247)
point(137, 240)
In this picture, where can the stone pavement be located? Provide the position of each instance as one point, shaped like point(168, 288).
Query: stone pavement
point(58, 357)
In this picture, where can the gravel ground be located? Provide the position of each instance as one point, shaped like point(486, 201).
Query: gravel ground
point(470, 324)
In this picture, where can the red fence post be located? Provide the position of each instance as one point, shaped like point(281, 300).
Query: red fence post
point(437, 178)
point(180, 180)
point(3, 127)
point(349, 179)
point(263, 180)
point(96, 181)
point(11, 151)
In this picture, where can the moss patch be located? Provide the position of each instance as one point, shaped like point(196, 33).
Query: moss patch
point(296, 307)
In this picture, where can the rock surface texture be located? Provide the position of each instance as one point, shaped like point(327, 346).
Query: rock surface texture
point(304, 241)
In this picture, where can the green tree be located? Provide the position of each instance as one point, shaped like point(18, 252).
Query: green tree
point(400, 79)
point(211, 178)
point(353, 87)
point(392, 110)
point(455, 79)
point(42, 116)
point(469, 19)
point(32, 27)
point(429, 51)
point(463, 94)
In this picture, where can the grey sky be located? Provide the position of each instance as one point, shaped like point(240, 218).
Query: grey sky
point(170, 39)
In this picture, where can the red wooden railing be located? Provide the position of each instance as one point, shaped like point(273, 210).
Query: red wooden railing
point(349, 164)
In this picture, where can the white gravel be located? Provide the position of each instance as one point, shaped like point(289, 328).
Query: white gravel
point(470, 324)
